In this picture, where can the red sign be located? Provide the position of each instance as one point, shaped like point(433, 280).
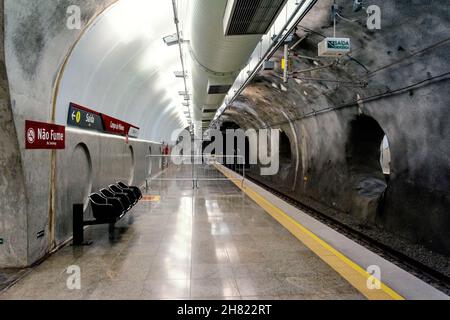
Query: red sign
point(116, 126)
point(77, 106)
point(40, 135)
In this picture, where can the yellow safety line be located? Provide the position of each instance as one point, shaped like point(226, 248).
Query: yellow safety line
point(151, 198)
point(350, 271)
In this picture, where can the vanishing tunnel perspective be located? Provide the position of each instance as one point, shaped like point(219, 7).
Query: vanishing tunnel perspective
point(225, 149)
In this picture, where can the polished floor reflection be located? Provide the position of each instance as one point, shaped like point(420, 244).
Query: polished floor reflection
point(209, 243)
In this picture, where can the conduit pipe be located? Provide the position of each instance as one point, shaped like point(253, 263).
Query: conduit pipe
point(216, 58)
point(301, 11)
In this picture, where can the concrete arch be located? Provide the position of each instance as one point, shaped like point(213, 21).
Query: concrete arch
point(125, 74)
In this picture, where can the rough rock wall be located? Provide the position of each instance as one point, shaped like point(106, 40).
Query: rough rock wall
point(13, 220)
point(406, 67)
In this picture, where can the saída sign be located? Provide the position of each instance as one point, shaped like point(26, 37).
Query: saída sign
point(85, 118)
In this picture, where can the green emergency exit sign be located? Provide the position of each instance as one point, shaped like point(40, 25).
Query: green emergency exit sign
point(1, 240)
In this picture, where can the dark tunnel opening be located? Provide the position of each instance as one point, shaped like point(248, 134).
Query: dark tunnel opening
point(363, 150)
point(285, 148)
point(242, 155)
point(368, 166)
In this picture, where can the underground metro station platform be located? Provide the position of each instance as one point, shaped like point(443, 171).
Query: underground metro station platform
point(209, 150)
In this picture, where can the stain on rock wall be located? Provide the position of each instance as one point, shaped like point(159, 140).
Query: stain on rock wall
point(42, 22)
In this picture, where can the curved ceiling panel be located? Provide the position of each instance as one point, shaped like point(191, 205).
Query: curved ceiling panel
point(122, 67)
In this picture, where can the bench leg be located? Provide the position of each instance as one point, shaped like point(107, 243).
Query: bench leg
point(78, 226)
point(112, 228)
point(78, 231)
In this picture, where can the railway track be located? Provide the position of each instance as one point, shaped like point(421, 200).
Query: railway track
point(426, 273)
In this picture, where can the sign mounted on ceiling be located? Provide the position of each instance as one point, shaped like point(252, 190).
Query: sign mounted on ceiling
point(84, 118)
point(334, 47)
point(39, 135)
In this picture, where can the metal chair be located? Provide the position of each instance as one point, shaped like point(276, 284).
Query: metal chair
point(123, 198)
point(116, 189)
point(136, 190)
point(106, 210)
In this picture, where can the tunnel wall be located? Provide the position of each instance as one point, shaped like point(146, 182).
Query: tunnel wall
point(41, 185)
point(36, 44)
point(407, 95)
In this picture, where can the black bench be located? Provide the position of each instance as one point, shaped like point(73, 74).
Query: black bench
point(108, 207)
point(137, 192)
point(126, 202)
point(130, 193)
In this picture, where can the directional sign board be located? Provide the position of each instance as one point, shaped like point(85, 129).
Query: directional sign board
point(84, 118)
point(40, 135)
point(116, 126)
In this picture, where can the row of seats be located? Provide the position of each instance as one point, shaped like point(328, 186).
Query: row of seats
point(112, 203)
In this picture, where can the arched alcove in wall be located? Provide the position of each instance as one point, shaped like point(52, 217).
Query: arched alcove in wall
point(365, 146)
point(80, 175)
point(285, 148)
